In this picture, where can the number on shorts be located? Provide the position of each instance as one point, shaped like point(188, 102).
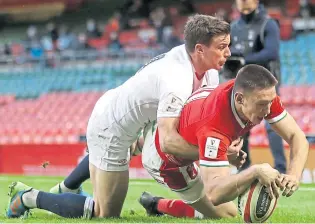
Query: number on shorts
point(191, 171)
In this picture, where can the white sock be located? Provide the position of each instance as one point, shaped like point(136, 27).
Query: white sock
point(64, 189)
point(198, 215)
point(88, 208)
point(29, 198)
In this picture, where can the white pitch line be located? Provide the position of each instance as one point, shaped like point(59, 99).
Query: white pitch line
point(306, 189)
point(52, 180)
point(39, 180)
point(132, 182)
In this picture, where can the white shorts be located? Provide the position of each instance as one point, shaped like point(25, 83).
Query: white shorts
point(108, 148)
point(184, 180)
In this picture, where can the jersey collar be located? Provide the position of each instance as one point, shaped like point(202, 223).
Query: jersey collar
point(234, 111)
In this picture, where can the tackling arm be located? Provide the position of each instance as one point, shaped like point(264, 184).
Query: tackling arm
point(172, 143)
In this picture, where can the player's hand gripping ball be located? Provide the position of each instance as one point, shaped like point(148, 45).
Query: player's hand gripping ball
point(255, 205)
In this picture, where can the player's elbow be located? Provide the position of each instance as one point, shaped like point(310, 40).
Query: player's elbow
point(224, 210)
point(231, 213)
point(296, 136)
point(299, 138)
point(215, 200)
point(228, 212)
point(212, 195)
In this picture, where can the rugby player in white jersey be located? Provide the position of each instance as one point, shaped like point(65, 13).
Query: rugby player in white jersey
point(158, 91)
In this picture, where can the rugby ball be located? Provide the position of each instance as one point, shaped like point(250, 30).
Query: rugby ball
point(255, 205)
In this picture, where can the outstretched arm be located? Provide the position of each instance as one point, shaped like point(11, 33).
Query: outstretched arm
point(294, 136)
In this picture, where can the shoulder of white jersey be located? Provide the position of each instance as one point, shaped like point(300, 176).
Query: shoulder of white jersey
point(178, 54)
point(212, 71)
point(200, 93)
point(176, 71)
point(211, 78)
point(176, 50)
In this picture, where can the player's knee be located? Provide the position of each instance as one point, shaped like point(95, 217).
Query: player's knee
point(107, 210)
point(105, 213)
point(98, 211)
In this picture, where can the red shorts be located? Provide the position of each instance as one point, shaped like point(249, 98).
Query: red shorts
point(182, 178)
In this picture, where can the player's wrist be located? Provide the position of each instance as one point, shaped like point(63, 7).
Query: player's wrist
point(255, 170)
point(292, 172)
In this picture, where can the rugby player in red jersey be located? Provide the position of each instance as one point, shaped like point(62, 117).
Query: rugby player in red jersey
point(211, 120)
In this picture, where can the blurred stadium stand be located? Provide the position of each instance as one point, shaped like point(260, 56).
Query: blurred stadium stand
point(46, 96)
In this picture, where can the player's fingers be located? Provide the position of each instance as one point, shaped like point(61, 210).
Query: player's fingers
point(270, 192)
point(244, 156)
point(232, 151)
point(240, 144)
point(284, 182)
point(278, 181)
point(268, 189)
point(287, 189)
point(235, 142)
point(241, 163)
point(275, 189)
point(293, 189)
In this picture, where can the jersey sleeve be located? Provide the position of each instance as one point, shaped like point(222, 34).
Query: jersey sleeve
point(175, 87)
point(212, 148)
point(277, 111)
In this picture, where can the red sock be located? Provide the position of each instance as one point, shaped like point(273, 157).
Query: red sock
point(176, 208)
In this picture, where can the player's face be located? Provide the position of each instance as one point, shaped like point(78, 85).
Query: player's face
point(257, 104)
point(216, 54)
point(246, 6)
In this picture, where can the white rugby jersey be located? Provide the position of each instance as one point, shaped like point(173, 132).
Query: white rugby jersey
point(159, 89)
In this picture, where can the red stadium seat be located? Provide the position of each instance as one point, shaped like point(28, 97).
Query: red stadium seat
point(127, 37)
point(293, 95)
point(275, 13)
point(299, 93)
point(286, 28)
point(98, 43)
point(293, 7)
point(310, 95)
point(211, 8)
point(286, 95)
point(62, 117)
point(179, 22)
point(17, 49)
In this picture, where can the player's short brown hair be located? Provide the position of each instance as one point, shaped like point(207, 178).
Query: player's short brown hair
point(200, 29)
point(252, 77)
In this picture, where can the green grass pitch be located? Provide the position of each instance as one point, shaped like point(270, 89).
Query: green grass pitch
point(296, 209)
